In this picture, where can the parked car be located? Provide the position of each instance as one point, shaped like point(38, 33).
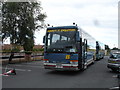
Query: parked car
point(114, 61)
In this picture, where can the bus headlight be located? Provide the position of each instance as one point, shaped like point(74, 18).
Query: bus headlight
point(45, 60)
point(73, 61)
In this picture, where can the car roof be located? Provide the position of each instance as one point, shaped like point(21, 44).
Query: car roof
point(116, 53)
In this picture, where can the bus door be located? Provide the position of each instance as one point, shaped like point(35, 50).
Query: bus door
point(80, 62)
point(97, 50)
point(84, 51)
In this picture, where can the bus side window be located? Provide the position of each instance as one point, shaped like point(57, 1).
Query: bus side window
point(85, 48)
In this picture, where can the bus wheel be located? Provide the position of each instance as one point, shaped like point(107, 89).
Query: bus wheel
point(85, 66)
point(114, 70)
point(93, 60)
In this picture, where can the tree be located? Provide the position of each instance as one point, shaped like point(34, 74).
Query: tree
point(19, 22)
point(115, 48)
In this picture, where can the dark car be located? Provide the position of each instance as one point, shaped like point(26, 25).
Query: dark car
point(114, 61)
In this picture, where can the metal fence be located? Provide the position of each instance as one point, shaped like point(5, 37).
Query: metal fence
point(20, 57)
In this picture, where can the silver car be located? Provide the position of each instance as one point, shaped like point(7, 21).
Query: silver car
point(114, 61)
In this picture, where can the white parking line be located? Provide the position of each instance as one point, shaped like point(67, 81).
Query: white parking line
point(3, 75)
point(115, 76)
point(114, 88)
point(17, 69)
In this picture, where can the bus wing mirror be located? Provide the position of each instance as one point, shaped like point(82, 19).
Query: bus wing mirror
point(44, 39)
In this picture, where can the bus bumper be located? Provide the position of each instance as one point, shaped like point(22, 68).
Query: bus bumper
point(62, 67)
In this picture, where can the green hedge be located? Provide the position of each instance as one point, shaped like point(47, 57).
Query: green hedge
point(34, 50)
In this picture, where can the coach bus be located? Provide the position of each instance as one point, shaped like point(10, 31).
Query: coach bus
point(100, 50)
point(68, 48)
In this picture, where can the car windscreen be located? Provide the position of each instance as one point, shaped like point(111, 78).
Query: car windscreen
point(115, 55)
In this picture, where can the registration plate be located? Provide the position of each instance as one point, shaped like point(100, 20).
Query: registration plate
point(59, 65)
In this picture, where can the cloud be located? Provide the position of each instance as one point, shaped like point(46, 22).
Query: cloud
point(85, 13)
point(107, 36)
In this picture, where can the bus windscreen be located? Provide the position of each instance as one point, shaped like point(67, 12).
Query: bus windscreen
point(61, 40)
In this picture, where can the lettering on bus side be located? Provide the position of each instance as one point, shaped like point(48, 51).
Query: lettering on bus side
point(61, 30)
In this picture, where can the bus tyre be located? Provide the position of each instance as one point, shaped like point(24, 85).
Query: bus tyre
point(93, 60)
point(85, 67)
point(114, 70)
point(103, 57)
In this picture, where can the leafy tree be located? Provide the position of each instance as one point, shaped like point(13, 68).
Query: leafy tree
point(115, 48)
point(19, 22)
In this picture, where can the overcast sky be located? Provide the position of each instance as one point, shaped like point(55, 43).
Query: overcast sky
point(97, 17)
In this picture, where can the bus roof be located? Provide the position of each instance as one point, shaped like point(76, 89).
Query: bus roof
point(62, 27)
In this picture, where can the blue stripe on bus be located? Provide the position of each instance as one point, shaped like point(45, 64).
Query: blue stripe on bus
point(60, 57)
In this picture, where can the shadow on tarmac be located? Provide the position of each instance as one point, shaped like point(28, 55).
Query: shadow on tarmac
point(113, 72)
point(67, 73)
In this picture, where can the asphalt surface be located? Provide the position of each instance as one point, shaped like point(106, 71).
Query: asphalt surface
point(33, 75)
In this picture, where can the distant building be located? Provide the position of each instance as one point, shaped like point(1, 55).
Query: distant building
point(6, 46)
